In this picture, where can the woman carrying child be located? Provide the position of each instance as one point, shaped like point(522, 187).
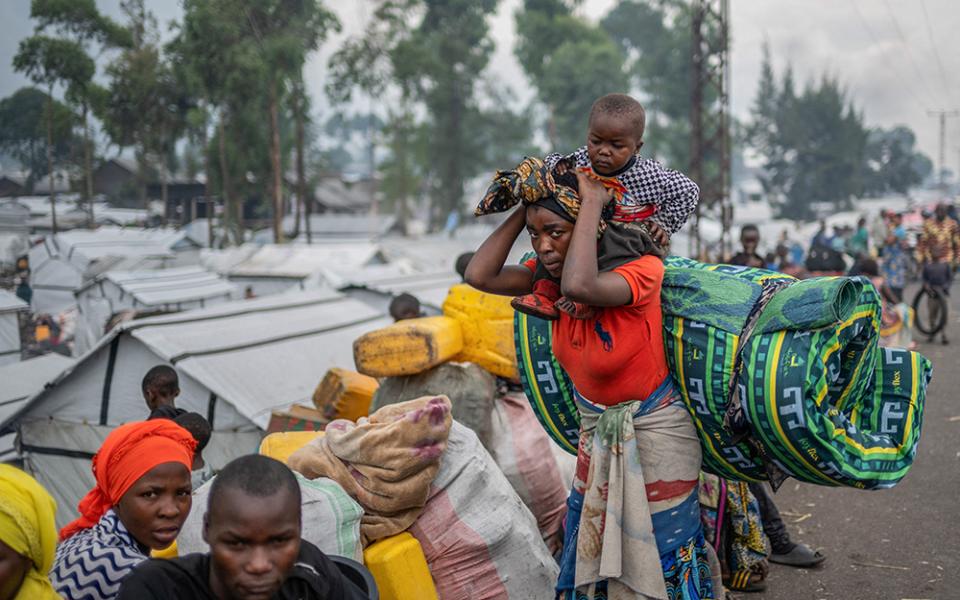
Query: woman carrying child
point(633, 527)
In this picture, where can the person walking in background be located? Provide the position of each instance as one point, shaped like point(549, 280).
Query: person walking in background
point(160, 388)
point(748, 256)
point(942, 232)
point(895, 262)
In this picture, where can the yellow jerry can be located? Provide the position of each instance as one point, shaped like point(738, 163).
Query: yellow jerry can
point(282, 444)
point(344, 394)
point(486, 321)
point(400, 569)
point(407, 347)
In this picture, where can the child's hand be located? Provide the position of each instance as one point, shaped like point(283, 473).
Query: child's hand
point(661, 237)
point(563, 166)
point(592, 190)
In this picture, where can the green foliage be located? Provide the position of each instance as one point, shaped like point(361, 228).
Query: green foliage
point(48, 61)
point(813, 143)
point(433, 55)
point(23, 130)
point(571, 63)
point(892, 164)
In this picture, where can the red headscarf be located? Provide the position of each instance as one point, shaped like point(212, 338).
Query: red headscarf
point(127, 454)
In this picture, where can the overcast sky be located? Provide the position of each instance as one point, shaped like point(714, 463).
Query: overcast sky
point(885, 51)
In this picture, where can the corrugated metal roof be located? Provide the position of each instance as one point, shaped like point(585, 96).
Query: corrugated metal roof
point(10, 301)
point(25, 378)
point(292, 260)
point(257, 355)
point(168, 286)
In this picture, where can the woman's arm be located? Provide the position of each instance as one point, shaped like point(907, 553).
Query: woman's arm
point(486, 270)
point(581, 281)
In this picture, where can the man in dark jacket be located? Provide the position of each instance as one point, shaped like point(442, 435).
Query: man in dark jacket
point(252, 525)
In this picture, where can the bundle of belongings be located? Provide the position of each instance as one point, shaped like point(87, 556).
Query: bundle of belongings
point(411, 467)
point(505, 426)
point(386, 461)
point(782, 377)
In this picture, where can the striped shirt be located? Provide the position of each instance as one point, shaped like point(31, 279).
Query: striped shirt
point(92, 564)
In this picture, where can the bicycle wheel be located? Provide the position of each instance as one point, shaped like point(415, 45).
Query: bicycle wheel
point(930, 310)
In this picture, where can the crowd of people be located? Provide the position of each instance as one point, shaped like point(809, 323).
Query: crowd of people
point(642, 519)
point(883, 252)
point(144, 473)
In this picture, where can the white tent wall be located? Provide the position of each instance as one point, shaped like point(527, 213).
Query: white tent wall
point(79, 396)
point(167, 290)
point(67, 475)
point(9, 337)
point(10, 308)
point(267, 286)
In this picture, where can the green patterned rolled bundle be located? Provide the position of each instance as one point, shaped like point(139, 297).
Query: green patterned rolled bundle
point(823, 402)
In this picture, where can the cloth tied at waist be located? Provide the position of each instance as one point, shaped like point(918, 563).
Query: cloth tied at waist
point(637, 468)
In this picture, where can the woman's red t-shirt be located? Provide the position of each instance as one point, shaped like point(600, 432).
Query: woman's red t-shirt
point(617, 356)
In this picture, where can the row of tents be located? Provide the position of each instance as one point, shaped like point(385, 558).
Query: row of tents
point(239, 358)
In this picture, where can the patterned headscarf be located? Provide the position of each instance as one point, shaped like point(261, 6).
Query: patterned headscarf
point(532, 182)
point(128, 453)
point(27, 526)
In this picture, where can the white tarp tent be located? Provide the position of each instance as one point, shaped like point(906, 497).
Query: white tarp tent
point(237, 362)
point(164, 290)
point(275, 268)
point(63, 263)
point(20, 381)
point(10, 308)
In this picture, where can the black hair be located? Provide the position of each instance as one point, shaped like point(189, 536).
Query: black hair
point(254, 475)
point(462, 262)
point(621, 106)
point(163, 377)
point(868, 267)
point(198, 427)
point(748, 228)
point(403, 306)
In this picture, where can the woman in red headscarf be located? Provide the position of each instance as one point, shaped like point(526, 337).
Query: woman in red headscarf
point(140, 501)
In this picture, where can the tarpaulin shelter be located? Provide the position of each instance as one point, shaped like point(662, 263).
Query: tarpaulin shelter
point(237, 362)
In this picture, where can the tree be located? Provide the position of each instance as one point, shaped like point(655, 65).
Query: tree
point(284, 32)
point(892, 164)
point(812, 144)
point(23, 130)
point(571, 63)
point(657, 39)
point(145, 108)
point(48, 61)
point(433, 55)
point(80, 21)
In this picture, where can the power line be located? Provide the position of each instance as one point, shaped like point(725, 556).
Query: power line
point(908, 49)
point(936, 53)
point(876, 40)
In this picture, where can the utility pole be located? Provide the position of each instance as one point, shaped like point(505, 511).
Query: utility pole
point(943, 114)
point(709, 122)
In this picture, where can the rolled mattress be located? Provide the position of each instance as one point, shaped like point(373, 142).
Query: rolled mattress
point(821, 401)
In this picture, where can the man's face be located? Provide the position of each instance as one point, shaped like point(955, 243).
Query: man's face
point(750, 241)
point(254, 543)
point(941, 212)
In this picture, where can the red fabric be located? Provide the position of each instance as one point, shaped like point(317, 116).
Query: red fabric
point(458, 555)
point(128, 453)
point(617, 356)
